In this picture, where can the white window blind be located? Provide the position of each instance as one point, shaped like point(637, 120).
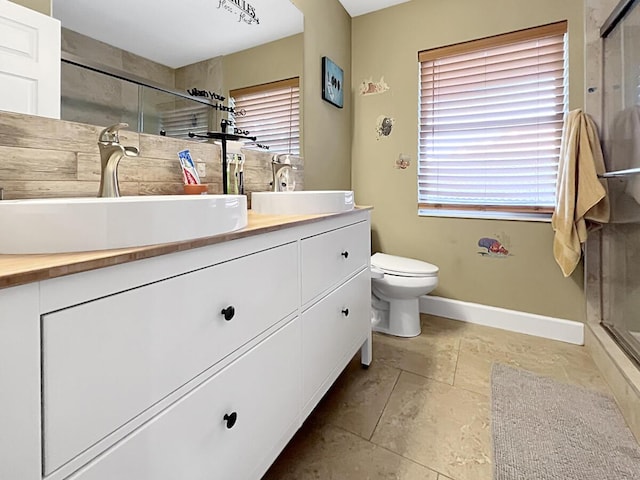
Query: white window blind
point(271, 113)
point(491, 117)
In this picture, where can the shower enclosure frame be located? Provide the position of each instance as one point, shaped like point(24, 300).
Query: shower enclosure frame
point(614, 309)
point(208, 111)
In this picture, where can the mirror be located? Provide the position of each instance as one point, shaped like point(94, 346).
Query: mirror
point(210, 45)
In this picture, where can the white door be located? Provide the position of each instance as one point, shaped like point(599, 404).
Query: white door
point(29, 61)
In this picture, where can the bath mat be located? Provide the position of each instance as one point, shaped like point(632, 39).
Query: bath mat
point(545, 430)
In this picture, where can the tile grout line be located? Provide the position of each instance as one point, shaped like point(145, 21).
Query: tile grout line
point(385, 405)
point(388, 450)
point(433, 380)
point(455, 370)
point(340, 427)
point(448, 384)
point(486, 395)
point(439, 474)
point(410, 459)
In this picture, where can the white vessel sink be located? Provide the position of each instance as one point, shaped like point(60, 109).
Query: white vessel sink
point(302, 202)
point(82, 224)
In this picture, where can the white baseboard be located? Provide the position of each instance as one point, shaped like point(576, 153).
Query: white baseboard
point(568, 331)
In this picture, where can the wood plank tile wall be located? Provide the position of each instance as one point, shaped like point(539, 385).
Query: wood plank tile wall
point(41, 157)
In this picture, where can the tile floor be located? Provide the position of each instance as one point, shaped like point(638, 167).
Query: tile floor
point(421, 411)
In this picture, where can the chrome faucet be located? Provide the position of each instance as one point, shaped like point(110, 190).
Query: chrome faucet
point(111, 152)
point(282, 170)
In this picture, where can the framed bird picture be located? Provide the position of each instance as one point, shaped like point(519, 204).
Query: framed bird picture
point(332, 83)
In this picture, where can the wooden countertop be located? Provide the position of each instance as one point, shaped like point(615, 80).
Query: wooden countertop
point(20, 269)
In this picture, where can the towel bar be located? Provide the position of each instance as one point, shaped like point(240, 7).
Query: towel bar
point(620, 173)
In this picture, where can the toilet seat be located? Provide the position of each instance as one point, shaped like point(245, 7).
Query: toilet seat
point(403, 267)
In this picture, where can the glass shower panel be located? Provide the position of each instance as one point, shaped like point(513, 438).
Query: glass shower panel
point(621, 138)
point(98, 98)
point(95, 98)
point(165, 114)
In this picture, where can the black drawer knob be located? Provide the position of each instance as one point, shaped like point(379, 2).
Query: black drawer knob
point(231, 419)
point(345, 312)
point(228, 312)
point(345, 254)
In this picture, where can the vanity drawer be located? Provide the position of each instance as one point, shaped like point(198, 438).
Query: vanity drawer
point(106, 361)
point(191, 439)
point(332, 330)
point(327, 259)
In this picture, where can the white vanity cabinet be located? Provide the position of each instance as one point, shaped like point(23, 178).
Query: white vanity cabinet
point(231, 426)
point(140, 345)
point(336, 304)
point(20, 441)
point(197, 364)
point(332, 330)
point(329, 258)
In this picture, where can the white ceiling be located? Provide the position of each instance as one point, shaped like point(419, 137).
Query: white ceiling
point(360, 7)
point(177, 33)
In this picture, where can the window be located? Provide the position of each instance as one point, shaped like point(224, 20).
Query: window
point(491, 116)
point(271, 113)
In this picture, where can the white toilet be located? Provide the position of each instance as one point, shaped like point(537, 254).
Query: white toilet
point(397, 283)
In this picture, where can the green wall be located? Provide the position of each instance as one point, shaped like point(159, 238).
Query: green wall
point(385, 43)
point(42, 6)
point(327, 134)
point(266, 63)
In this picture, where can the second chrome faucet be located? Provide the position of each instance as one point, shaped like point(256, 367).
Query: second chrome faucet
point(111, 152)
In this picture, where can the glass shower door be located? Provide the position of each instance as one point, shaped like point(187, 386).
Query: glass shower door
point(621, 138)
point(101, 95)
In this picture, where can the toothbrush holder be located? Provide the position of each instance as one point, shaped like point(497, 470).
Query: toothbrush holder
point(199, 189)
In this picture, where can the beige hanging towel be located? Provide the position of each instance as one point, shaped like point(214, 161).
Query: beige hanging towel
point(581, 197)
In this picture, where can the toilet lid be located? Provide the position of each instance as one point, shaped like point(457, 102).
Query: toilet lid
point(406, 267)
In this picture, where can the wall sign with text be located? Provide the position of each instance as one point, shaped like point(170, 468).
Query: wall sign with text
point(245, 11)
